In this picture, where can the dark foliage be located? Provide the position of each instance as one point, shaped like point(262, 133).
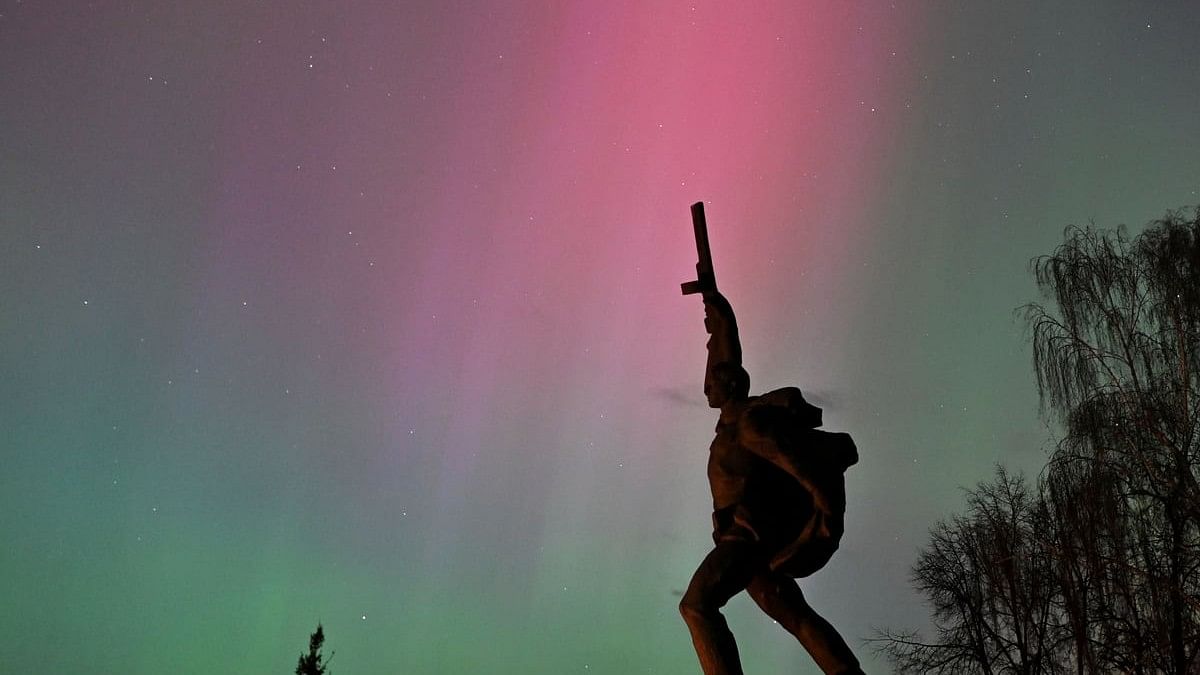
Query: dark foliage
point(314, 663)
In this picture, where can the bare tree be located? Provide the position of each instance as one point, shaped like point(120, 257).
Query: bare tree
point(1115, 354)
point(1099, 570)
point(986, 575)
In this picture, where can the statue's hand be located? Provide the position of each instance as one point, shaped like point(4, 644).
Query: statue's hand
point(716, 309)
point(714, 301)
point(713, 316)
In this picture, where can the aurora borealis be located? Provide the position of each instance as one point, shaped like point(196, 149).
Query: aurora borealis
point(369, 312)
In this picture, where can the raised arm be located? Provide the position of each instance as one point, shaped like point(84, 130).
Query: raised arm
point(723, 343)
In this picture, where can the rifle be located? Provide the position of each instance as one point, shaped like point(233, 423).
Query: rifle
point(706, 281)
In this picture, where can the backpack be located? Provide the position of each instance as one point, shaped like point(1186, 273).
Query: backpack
point(826, 456)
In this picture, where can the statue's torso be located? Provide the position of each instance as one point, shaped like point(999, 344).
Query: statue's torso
point(730, 466)
point(752, 498)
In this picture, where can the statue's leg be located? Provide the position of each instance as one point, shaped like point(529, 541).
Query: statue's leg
point(723, 574)
point(780, 597)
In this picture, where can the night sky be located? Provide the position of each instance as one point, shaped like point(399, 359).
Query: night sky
point(368, 313)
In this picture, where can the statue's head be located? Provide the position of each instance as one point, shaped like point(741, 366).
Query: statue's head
point(728, 382)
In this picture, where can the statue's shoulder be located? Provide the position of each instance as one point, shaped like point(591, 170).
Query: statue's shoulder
point(788, 401)
point(784, 415)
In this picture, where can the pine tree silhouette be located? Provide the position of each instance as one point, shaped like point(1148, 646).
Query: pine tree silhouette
point(314, 663)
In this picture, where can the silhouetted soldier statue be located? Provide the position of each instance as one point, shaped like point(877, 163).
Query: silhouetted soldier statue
point(778, 498)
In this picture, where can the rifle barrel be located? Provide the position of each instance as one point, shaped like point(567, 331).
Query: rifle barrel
point(705, 280)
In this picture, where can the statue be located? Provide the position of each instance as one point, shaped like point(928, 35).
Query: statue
point(778, 498)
